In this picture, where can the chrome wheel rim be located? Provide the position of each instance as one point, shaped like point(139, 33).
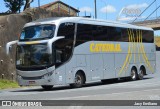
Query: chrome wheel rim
point(133, 74)
point(78, 80)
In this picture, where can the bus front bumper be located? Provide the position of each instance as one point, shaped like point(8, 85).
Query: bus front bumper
point(47, 79)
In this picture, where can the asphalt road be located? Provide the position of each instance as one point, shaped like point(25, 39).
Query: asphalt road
point(147, 89)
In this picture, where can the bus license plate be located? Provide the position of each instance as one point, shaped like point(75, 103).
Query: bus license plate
point(32, 82)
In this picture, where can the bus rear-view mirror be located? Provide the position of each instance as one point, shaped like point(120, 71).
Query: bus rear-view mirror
point(9, 46)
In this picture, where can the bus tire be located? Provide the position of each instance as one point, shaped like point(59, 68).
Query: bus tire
point(134, 75)
point(79, 80)
point(141, 73)
point(47, 87)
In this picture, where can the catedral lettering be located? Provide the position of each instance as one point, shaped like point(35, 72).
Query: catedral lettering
point(99, 47)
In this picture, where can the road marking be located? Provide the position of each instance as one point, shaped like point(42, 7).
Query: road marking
point(104, 94)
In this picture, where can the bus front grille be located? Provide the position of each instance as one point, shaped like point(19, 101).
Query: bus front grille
point(32, 78)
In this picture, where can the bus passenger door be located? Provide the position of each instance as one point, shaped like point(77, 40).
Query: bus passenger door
point(60, 73)
point(64, 55)
point(108, 66)
point(96, 67)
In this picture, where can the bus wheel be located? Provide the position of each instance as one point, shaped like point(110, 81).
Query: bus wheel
point(79, 80)
point(141, 73)
point(133, 74)
point(47, 87)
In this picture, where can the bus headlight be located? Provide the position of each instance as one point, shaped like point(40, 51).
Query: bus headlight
point(19, 76)
point(47, 75)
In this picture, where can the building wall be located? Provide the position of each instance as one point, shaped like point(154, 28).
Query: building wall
point(60, 8)
point(10, 28)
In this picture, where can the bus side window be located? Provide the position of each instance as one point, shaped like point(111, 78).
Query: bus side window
point(59, 52)
point(67, 30)
point(84, 33)
point(117, 34)
point(124, 35)
point(148, 36)
point(99, 33)
point(64, 46)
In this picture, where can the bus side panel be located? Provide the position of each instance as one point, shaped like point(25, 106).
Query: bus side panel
point(83, 62)
point(148, 57)
point(80, 61)
point(109, 65)
point(153, 63)
point(88, 68)
point(151, 56)
point(70, 70)
point(96, 67)
point(60, 75)
point(151, 66)
point(120, 64)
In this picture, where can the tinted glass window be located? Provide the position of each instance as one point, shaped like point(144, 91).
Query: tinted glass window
point(132, 33)
point(124, 35)
point(37, 32)
point(114, 33)
point(87, 32)
point(32, 57)
point(84, 33)
point(100, 33)
point(148, 36)
point(64, 47)
point(67, 30)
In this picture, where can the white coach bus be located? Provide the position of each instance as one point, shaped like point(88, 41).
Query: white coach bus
point(74, 51)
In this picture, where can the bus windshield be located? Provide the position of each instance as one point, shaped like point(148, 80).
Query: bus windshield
point(33, 56)
point(37, 32)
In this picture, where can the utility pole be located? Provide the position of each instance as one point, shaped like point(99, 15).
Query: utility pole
point(95, 9)
point(39, 3)
point(78, 12)
point(19, 6)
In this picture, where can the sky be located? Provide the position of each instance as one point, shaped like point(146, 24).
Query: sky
point(107, 9)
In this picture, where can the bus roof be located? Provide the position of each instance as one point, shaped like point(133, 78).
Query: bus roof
point(86, 21)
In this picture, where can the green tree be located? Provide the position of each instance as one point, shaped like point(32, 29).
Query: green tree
point(14, 5)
